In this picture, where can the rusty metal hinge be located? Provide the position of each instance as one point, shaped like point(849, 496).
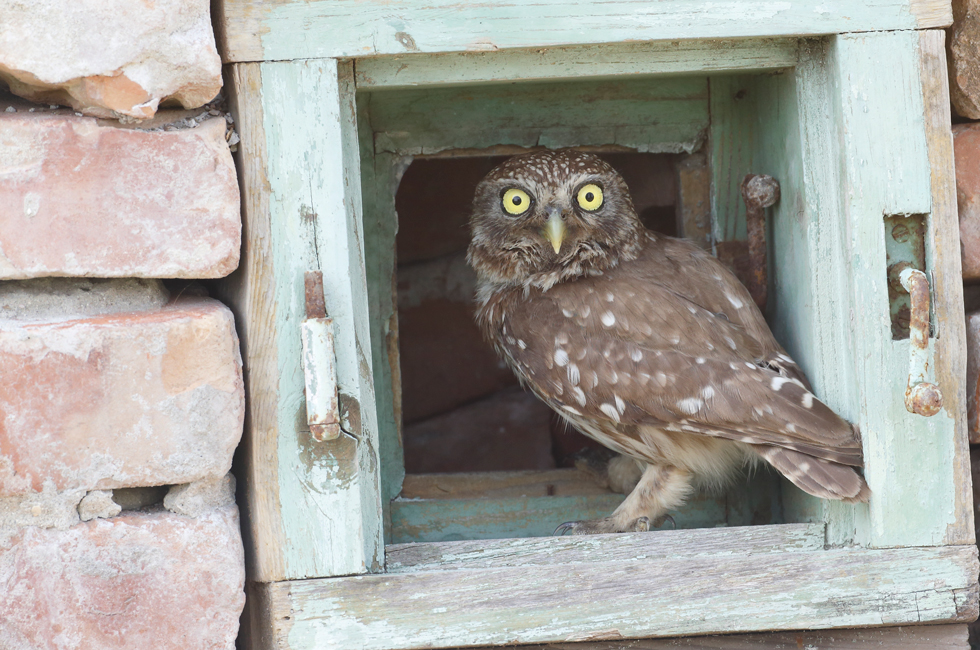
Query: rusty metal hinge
point(921, 397)
point(319, 363)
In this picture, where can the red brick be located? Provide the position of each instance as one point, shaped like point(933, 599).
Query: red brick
point(81, 199)
point(966, 146)
point(157, 580)
point(120, 400)
point(110, 58)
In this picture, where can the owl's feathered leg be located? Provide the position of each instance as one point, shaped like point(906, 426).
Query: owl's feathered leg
point(660, 489)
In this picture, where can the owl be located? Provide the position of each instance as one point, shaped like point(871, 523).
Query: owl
point(643, 342)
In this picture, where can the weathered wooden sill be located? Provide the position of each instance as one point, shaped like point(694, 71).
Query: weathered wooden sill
point(670, 583)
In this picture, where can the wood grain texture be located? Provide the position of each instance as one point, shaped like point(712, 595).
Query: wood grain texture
point(560, 551)
point(314, 507)
point(493, 505)
point(594, 601)
point(665, 114)
point(252, 30)
point(934, 637)
point(947, 290)
point(578, 62)
point(380, 175)
point(247, 292)
point(694, 199)
point(909, 459)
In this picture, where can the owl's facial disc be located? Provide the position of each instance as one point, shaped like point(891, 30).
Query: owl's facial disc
point(551, 216)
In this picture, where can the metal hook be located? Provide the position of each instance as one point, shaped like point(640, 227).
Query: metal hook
point(921, 397)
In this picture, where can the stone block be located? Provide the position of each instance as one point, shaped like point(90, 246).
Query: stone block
point(78, 198)
point(119, 400)
point(110, 58)
point(963, 47)
point(141, 580)
point(966, 148)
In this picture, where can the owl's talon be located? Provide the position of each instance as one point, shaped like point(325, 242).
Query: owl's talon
point(642, 525)
point(663, 519)
point(564, 528)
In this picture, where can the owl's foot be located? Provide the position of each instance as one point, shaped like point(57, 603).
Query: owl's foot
point(610, 525)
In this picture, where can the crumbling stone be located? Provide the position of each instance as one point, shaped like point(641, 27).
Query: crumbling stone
point(120, 400)
point(143, 580)
point(199, 497)
point(110, 58)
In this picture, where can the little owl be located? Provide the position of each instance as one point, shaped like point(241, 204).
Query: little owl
point(643, 342)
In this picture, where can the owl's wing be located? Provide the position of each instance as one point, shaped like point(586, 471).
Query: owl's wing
point(643, 354)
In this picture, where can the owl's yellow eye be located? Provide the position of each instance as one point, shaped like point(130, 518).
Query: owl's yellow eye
point(516, 201)
point(590, 197)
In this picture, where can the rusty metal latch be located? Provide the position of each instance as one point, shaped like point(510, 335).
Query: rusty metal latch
point(319, 364)
point(759, 191)
point(921, 397)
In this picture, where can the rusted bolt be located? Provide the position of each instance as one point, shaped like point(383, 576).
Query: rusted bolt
point(921, 397)
point(900, 233)
point(315, 303)
point(759, 192)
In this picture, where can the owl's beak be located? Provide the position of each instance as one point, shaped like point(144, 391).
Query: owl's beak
point(554, 229)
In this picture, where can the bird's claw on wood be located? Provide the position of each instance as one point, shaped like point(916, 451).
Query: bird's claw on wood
point(606, 525)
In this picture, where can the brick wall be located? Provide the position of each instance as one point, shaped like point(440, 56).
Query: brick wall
point(121, 395)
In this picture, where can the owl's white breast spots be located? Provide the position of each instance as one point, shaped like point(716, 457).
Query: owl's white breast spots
point(559, 389)
point(581, 354)
point(707, 392)
point(521, 344)
point(636, 355)
point(661, 378)
point(595, 379)
point(561, 339)
point(700, 360)
point(791, 427)
point(573, 375)
point(610, 297)
point(646, 329)
point(709, 346)
point(736, 302)
point(613, 377)
point(610, 411)
point(511, 340)
point(561, 357)
point(804, 466)
point(572, 410)
point(608, 318)
point(579, 395)
point(675, 339)
point(567, 314)
point(620, 404)
point(691, 405)
point(757, 411)
point(777, 382)
point(692, 309)
point(585, 311)
point(751, 366)
point(730, 342)
point(808, 400)
point(733, 366)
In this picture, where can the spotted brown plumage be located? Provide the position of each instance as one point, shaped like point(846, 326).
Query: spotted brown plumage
point(644, 342)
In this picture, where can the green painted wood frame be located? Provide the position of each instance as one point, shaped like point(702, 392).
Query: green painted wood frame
point(851, 139)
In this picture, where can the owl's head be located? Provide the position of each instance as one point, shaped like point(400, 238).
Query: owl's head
point(551, 216)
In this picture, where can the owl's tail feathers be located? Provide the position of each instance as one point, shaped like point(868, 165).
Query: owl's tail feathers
point(821, 478)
